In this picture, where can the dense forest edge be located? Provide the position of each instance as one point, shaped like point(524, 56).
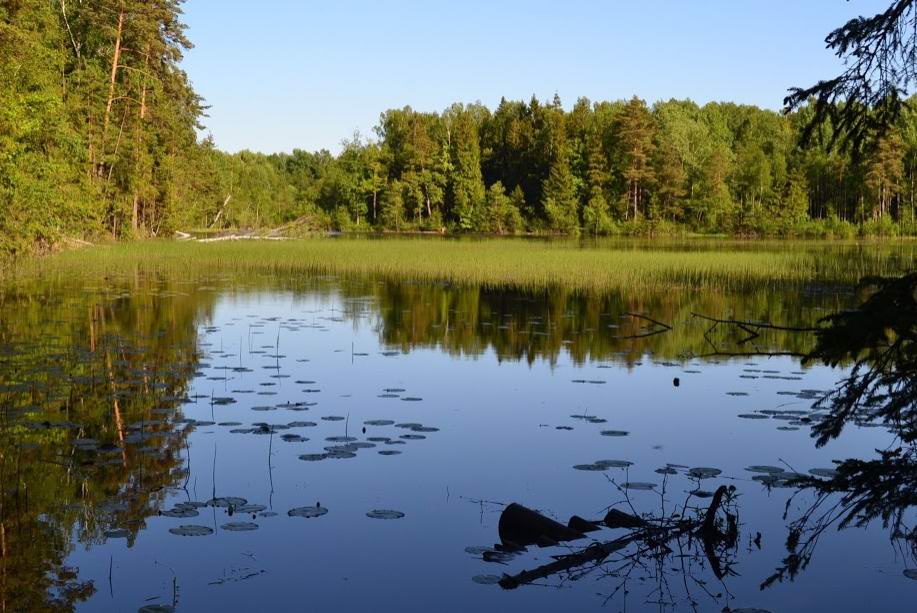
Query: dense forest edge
point(99, 139)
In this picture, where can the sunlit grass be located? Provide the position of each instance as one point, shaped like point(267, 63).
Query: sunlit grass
point(520, 263)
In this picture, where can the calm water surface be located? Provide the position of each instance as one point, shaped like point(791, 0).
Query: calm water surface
point(218, 444)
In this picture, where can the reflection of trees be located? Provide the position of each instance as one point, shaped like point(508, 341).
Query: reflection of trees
point(88, 387)
point(879, 338)
point(589, 326)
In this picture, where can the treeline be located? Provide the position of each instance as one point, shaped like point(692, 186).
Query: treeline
point(601, 168)
point(98, 135)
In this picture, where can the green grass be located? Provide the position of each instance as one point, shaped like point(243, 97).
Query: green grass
point(631, 265)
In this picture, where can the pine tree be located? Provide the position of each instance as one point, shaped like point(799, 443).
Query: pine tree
point(635, 133)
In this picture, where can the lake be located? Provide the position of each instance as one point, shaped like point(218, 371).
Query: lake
point(191, 440)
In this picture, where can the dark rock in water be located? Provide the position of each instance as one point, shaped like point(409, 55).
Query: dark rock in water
point(582, 525)
point(619, 519)
point(520, 526)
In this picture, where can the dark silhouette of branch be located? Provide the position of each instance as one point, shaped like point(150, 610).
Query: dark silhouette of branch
point(880, 59)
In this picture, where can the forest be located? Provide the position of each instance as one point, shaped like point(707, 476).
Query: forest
point(101, 137)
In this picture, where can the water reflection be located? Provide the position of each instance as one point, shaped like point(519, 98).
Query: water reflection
point(675, 548)
point(89, 383)
point(108, 388)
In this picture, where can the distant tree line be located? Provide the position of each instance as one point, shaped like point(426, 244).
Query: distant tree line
point(98, 135)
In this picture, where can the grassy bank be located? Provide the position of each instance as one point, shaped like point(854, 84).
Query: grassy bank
point(520, 263)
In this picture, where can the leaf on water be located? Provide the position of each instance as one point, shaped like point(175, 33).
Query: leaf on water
point(239, 526)
point(156, 608)
point(379, 422)
point(307, 512)
point(614, 433)
point(191, 530)
point(830, 473)
point(340, 439)
point(250, 508)
point(384, 514)
point(333, 418)
point(668, 470)
point(752, 416)
point(412, 437)
point(389, 452)
point(411, 399)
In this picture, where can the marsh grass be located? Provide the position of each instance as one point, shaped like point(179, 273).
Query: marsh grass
point(527, 264)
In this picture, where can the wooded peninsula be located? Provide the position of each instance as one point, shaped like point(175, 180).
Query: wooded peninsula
point(100, 138)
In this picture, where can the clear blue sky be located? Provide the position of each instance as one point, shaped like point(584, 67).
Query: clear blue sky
point(285, 74)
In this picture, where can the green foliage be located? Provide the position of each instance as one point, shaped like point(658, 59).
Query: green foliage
point(98, 137)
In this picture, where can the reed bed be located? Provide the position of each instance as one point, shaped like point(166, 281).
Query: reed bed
point(496, 262)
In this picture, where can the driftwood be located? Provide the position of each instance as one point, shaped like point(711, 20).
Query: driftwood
point(642, 531)
point(661, 327)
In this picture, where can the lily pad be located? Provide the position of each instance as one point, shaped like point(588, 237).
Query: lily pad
point(614, 463)
point(384, 514)
point(590, 467)
point(227, 501)
point(180, 512)
point(240, 526)
point(772, 470)
point(308, 512)
point(313, 457)
point(486, 579)
point(191, 530)
point(117, 533)
point(639, 485)
point(614, 433)
point(704, 472)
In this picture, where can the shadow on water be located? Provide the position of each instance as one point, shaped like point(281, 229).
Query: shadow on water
point(690, 549)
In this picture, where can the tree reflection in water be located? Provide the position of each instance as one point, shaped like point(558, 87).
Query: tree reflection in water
point(878, 339)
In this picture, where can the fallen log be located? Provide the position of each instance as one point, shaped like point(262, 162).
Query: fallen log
point(595, 553)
